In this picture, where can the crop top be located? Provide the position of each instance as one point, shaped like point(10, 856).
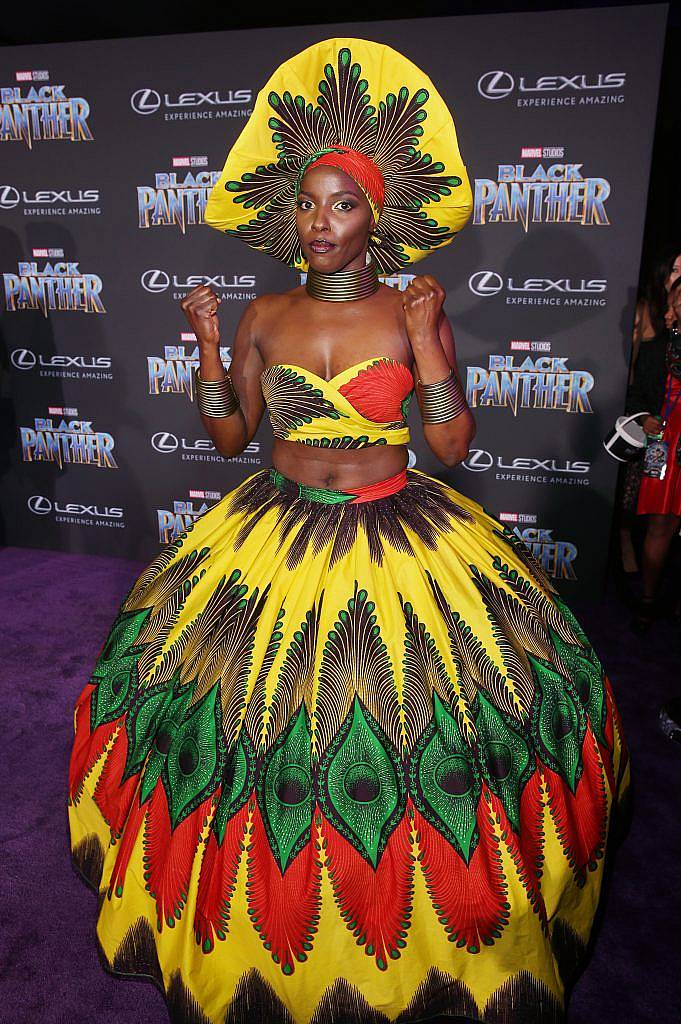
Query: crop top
point(363, 405)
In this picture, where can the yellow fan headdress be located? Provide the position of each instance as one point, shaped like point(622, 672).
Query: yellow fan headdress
point(366, 108)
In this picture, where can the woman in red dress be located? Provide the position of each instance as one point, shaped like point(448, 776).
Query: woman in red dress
point(660, 495)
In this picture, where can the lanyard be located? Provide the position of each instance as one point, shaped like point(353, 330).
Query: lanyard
point(669, 406)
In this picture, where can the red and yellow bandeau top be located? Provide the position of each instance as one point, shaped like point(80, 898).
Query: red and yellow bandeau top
point(363, 405)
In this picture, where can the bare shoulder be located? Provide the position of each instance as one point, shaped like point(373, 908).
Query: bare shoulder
point(264, 305)
point(274, 303)
point(265, 310)
point(391, 296)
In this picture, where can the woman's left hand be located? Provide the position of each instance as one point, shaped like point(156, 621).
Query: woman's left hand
point(422, 303)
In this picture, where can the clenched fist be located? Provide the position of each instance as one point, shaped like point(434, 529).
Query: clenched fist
point(422, 303)
point(200, 307)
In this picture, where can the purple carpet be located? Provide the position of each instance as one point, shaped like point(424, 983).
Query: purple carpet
point(55, 611)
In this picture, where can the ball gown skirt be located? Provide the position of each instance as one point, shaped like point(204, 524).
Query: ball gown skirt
point(346, 758)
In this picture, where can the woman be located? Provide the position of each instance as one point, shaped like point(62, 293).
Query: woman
point(649, 321)
point(657, 389)
point(346, 756)
point(652, 304)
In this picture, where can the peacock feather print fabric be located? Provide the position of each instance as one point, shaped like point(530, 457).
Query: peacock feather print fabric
point(346, 759)
point(350, 93)
point(364, 405)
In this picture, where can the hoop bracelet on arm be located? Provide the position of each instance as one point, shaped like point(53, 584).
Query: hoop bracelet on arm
point(444, 400)
point(215, 398)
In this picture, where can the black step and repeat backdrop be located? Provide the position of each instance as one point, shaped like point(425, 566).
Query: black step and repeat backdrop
point(108, 151)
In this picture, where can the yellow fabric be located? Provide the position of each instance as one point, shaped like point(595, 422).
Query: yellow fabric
point(306, 408)
point(261, 595)
point(369, 97)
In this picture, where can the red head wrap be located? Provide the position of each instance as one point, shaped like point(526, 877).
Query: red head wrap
point(361, 169)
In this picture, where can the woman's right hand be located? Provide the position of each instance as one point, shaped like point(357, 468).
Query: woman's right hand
point(652, 425)
point(200, 307)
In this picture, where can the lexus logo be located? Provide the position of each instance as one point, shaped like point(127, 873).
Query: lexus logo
point(145, 101)
point(164, 442)
point(485, 282)
point(155, 280)
point(39, 505)
point(496, 85)
point(478, 460)
point(23, 359)
point(9, 197)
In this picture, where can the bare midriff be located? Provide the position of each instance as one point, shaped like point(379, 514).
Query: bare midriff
point(338, 470)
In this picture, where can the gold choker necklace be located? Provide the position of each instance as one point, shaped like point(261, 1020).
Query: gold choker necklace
point(343, 285)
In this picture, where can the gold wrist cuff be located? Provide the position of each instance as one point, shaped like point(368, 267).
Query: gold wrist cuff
point(215, 398)
point(442, 401)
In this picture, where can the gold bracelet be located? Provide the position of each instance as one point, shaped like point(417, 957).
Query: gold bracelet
point(442, 401)
point(215, 398)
